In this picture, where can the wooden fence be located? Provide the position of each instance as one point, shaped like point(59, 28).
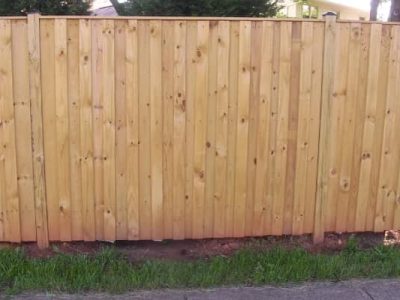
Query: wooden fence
point(160, 128)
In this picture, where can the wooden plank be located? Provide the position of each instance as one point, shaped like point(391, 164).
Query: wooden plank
point(255, 71)
point(179, 134)
point(62, 127)
point(282, 128)
point(132, 118)
point(156, 130)
point(232, 121)
point(191, 55)
point(49, 130)
point(301, 170)
point(380, 121)
point(211, 130)
point(11, 206)
point(109, 104)
point(74, 127)
point(314, 126)
point(86, 130)
point(263, 131)
point(35, 98)
point(200, 120)
point(121, 216)
point(20, 60)
point(168, 57)
point(145, 211)
point(338, 100)
point(221, 141)
point(359, 122)
point(269, 192)
point(349, 121)
point(390, 145)
point(242, 128)
point(98, 99)
point(293, 120)
point(322, 187)
point(369, 128)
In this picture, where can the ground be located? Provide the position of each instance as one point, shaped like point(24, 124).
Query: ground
point(202, 249)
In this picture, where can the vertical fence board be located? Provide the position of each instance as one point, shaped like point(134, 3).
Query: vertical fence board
point(221, 135)
point(179, 111)
point(200, 124)
point(145, 212)
point(86, 130)
point(11, 205)
point(120, 128)
point(132, 111)
point(20, 60)
point(156, 130)
point(98, 107)
point(62, 127)
point(109, 104)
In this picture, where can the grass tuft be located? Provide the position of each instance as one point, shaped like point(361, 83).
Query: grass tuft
point(109, 271)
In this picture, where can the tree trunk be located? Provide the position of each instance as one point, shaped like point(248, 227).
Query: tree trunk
point(374, 10)
point(395, 11)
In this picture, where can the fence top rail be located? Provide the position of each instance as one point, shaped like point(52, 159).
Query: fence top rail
point(183, 18)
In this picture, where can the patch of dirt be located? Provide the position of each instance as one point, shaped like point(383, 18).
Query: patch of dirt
point(188, 250)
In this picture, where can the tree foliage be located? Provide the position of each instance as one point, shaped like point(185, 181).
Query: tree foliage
point(45, 7)
point(235, 8)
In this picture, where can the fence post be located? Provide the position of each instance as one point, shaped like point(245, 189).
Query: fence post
point(35, 94)
point(325, 119)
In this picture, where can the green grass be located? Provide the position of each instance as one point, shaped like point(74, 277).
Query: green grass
point(111, 272)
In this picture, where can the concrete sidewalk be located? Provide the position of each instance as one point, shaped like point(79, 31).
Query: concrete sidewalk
point(352, 290)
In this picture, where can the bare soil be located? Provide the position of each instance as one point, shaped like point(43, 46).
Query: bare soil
point(188, 250)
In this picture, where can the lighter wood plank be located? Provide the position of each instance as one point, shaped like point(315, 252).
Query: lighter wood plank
point(132, 112)
point(242, 125)
point(145, 208)
point(156, 130)
point(23, 129)
point(369, 128)
point(232, 121)
point(263, 132)
point(98, 99)
point(255, 71)
point(282, 128)
point(11, 205)
point(35, 98)
point(303, 136)
point(211, 131)
point(322, 187)
point(200, 120)
point(86, 130)
point(49, 130)
point(121, 100)
point(293, 116)
point(109, 128)
point(191, 54)
point(221, 143)
point(62, 127)
point(179, 130)
point(74, 127)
